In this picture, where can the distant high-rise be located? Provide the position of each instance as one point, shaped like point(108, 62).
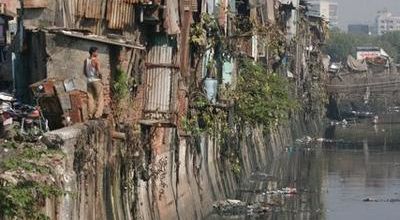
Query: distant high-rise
point(325, 9)
point(386, 22)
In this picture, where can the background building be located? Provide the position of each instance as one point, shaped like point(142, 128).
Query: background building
point(326, 9)
point(358, 29)
point(386, 22)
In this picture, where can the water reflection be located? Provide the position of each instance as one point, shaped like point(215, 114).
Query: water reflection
point(333, 179)
point(365, 166)
point(299, 169)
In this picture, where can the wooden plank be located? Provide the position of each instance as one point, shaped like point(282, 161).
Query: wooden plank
point(102, 40)
point(119, 135)
point(63, 97)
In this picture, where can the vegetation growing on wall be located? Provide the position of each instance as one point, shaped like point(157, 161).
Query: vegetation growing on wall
point(207, 34)
point(121, 91)
point(259, 96)
point(205, 117)
point(121, 85)
point(262, 97)
point(26, 181)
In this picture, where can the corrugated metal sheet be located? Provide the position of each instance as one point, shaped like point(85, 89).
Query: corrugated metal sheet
point(120, 13)
point(90, 8)
point(159, 83)
point(69, 13)
point(94, 9)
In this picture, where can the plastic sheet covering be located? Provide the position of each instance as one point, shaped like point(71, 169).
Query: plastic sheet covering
point(227, 71)
point(211, 88)
point(356, 65)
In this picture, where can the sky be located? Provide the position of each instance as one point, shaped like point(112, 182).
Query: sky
point(363, 11)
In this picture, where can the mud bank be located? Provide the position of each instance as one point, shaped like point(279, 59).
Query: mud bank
point(156, 174)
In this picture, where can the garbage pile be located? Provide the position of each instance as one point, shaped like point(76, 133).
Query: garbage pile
point(20, 120)
point(237, 207)
point(284, 191)
point(271, 200)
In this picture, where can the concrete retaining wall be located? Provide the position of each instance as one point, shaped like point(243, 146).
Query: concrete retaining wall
point(164, 178)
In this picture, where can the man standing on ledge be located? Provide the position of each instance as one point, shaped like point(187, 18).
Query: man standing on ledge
point(94, 84)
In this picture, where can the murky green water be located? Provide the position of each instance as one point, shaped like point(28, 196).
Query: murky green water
point(333, 179)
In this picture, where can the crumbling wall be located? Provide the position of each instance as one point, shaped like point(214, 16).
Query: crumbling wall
point(88, 151)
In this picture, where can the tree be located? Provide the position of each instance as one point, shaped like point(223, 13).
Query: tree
point(341, 44)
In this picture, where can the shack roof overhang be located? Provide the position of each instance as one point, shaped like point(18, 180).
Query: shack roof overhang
point(91, 37)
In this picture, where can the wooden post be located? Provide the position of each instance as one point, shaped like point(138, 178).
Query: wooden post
point(186, 19)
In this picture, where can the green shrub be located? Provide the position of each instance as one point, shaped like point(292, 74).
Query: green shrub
point(262, 97)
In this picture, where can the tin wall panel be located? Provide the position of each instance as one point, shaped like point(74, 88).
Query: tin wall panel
point(118, 13)
point(94, 9)
point(159, 82)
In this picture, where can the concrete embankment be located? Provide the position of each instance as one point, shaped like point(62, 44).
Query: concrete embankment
point(156, 174)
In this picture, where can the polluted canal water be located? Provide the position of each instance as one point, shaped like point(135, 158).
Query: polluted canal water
point(354, 175)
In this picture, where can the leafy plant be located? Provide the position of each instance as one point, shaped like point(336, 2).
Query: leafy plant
point(22, 196)
point(21, 200)
point(262, 97)
point(204, 117)
point(341, 44)
point(121, 85)
point(206, 33)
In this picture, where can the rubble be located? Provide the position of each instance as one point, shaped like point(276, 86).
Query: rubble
point(305, 140)
point(283, 191)
point(238, 207)
point(310, 140)
point(380, 200)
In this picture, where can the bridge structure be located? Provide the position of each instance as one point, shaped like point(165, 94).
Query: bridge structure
point(380, 88)
point(364, 91)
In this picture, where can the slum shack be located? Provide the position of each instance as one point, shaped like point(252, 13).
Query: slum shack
point(54, 67)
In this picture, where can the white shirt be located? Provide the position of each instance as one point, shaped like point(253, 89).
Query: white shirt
point(91, 72)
